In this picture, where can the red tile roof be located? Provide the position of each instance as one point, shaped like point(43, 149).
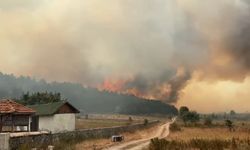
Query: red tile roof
point(9, 106)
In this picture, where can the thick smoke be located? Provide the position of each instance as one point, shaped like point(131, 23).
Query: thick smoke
point(226, 28)
point(238, 40)
point(146, 48)
point(165, 87)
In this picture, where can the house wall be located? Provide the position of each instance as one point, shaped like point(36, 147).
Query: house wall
point(57, 123)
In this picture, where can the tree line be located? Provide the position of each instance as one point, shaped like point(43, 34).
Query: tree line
point(40, 98)
point(88, 100)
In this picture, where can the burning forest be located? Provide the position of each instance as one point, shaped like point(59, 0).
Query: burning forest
point(158, 50)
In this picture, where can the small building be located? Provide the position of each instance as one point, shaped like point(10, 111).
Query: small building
point(14, 117)
point(54, 117)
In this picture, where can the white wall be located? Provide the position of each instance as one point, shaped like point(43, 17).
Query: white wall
point(57, 123)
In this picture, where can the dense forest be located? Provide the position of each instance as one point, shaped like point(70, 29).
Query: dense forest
point(87, 100)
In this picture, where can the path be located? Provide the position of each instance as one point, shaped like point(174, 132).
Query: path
point(162, 132)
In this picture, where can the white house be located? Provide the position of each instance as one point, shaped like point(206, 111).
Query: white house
point(54, 117)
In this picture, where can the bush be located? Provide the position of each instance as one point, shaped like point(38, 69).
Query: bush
point(192, 117)
point(145, 122)
point(229, 124)
point(174, 127)
point(208, 122)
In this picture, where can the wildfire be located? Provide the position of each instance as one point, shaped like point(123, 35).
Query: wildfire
point(112, 85)
point(119, 86)
point(165, 89)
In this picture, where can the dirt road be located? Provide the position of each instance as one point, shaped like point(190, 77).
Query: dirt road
point(161, 132)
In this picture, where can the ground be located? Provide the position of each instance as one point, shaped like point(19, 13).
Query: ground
point(207, 133)
point(199, 136)
point(101, 123)
point(105, 143)
point(138, 138)
point(160, 131)
point(192, 136)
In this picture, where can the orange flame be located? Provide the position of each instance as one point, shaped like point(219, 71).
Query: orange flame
point(119, 86)
point(112, 85)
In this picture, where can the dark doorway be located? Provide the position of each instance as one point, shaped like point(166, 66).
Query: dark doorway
point(34, 124)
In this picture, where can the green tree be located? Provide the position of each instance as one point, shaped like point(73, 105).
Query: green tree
point(183, 110)
point(229, 124)
point(232, 113)
point(40, 98)
point(192, 117)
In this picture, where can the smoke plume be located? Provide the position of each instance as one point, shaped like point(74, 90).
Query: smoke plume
point(150, 49)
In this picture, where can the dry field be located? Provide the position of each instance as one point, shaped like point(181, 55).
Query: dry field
point(199, 137)
point(102, 123)
point(208, 133)
point(125, 117)
point(105, 143)
point(106, 120)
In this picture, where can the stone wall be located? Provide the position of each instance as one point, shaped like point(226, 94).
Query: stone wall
point(43, 140)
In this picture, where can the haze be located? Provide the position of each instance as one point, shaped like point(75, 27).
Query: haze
point(178, 51)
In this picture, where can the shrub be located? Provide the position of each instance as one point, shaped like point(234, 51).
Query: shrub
point(174, 127)
point(229, 124)
point(145, 122)
point(208, 122)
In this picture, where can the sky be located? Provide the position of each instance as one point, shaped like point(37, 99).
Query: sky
point(183, 52)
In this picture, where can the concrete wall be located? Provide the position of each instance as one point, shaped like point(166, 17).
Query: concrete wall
point(40, 141)
point(57, 123)
point(4, 141)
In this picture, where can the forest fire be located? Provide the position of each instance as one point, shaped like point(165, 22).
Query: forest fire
point(129, 52)
point(112, 85)
point(165, 88)
point(119, 86)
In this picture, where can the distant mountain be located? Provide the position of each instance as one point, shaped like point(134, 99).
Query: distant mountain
point(87, 100)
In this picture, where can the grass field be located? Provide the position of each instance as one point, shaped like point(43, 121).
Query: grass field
point(199, 136)
point(207, 133)
point(102, 123)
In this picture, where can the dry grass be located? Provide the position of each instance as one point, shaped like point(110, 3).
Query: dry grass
point(125, 117)
point(207, 133)
point(102, 123)
point(105, 143)
point(214, 138)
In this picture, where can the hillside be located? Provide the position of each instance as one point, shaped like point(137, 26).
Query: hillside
point(87, 100)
